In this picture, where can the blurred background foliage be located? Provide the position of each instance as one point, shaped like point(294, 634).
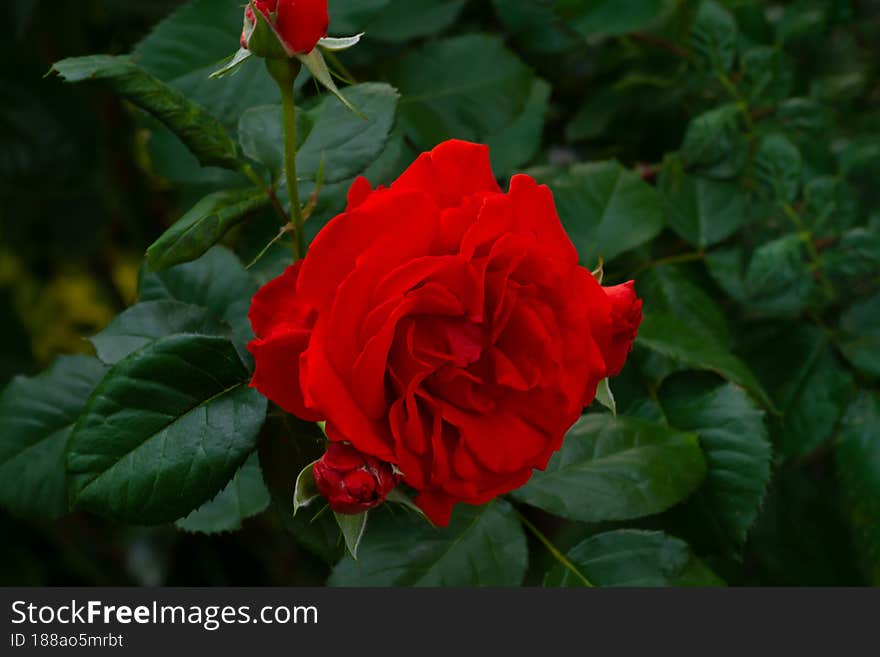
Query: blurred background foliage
point(756, 122)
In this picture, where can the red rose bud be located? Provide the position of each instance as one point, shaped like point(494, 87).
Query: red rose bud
point(299, 24)
point(351, 481)
point(626, 317)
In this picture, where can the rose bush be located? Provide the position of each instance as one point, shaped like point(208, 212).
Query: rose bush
point(445, 327)
point(719, 154)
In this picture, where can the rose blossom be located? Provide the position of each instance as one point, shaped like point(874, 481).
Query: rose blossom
point(445, 327)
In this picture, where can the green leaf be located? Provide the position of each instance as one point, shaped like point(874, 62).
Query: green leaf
point(348, 144)
point(244, 497)
point(703, 211)
point(611, 17)
point(607, 210)
point(261, 136)
point(804, 116)
point(199, 33)
point(633, 558)
point(482, 546)
point(714, 36)
point(306, 491)
point(779, 279)
point(147, 322)
point(778, 167)
point(216, 281)
point(666, 289)
point(352, 527)
point(535, 26)
point(831, 206)
point(597, 112)
point(165, 431)
point(855, 257)
point(859, 337)
point(616, 469)
point(736, 444)
point(798, 367)
point(37, 415)
point(801, 537)
point(767, 76)
point(394, 21)
point(203, 226)
point(517, 144)
point(714, 144)
point(671, 337)
point(203, 134)
point(858, 464)
point(467, 87)
point(185, 48)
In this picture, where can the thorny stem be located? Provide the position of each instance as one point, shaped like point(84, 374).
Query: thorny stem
point(561, 558)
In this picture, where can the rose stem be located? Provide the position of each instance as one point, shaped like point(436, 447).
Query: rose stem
point(284, 72)
point(561, 558)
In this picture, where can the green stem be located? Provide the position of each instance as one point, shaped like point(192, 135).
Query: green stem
point(741, 103)
point(561, 558)
point(284, 72)
point(254, 177)
point(807, 238)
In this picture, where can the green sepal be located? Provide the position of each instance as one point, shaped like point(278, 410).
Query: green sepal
point(306, 490)
point(231, 64)
point(314, 61)
point(397, 496)
point(353, 528)
point(263, 39)
point(338, 44)
point(605, 397)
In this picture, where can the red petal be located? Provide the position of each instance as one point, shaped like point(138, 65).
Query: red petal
point(302, 23)
point(359, 191)
point(277, 373)
point(450, 173)
point(626, 317)
point(277, 303)
point(437, 506)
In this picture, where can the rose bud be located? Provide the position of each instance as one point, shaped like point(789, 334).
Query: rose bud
point(626, 317)
point(298, 24)
point(351, 481)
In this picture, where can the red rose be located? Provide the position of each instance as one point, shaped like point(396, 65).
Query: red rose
point(300, 24)
point(444, 327)
point(352, 482)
